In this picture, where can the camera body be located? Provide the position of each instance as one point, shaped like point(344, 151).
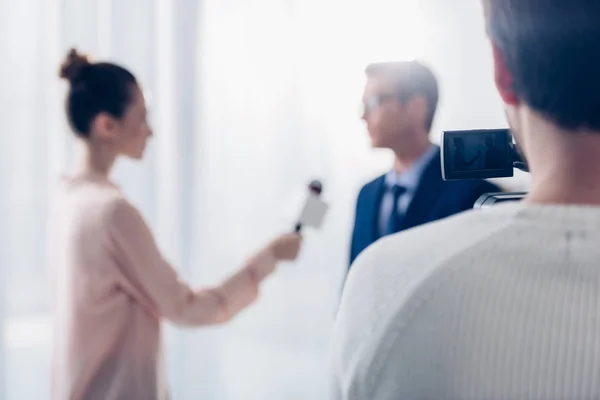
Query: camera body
point(482, 154)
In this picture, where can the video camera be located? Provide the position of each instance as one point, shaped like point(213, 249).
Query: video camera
point(482, 154)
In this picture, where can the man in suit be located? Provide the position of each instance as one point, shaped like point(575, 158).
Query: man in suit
point(400, 101)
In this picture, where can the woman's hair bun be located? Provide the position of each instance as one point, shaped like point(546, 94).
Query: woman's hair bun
point(73, 65)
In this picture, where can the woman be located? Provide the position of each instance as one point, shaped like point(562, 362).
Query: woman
point(113, 285)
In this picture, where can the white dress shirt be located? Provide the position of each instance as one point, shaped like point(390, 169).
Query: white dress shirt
point(409, 180)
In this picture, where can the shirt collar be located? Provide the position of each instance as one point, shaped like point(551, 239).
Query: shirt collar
point(410, 178)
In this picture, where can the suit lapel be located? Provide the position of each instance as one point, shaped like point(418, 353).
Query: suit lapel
point(426, 196)
point(373, 204)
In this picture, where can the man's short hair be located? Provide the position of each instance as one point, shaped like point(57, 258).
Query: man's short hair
point(552, 50)
point(411, 79)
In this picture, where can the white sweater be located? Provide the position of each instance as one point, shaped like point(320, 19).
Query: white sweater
point(502, 303)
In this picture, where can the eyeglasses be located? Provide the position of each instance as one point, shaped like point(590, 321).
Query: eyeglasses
point(371, 103)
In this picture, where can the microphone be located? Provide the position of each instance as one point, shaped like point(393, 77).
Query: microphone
point(314, 209)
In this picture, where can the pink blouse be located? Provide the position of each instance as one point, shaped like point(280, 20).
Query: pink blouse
point(112, 289)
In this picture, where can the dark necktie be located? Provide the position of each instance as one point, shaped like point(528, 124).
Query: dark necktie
point(393, 225)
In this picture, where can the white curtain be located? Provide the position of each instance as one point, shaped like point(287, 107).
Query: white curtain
point(250, 99)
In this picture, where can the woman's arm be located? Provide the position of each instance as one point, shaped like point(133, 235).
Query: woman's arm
point(150, 280)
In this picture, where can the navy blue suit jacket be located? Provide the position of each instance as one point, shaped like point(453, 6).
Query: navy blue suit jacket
point(434, 199)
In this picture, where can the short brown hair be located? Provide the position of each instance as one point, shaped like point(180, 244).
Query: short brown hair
point(411, 79)
point(552, 50)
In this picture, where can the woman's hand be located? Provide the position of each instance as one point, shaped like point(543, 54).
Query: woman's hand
point(286, 247)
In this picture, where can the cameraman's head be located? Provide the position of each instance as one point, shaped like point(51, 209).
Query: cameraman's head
point(547, 71)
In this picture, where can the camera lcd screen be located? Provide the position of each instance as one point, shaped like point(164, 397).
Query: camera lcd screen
point(477, 154)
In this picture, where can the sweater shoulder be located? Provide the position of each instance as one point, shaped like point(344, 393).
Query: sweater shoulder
point(388, 274)
point(89, 203)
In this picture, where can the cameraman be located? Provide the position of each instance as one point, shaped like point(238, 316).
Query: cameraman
point(502, 303)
